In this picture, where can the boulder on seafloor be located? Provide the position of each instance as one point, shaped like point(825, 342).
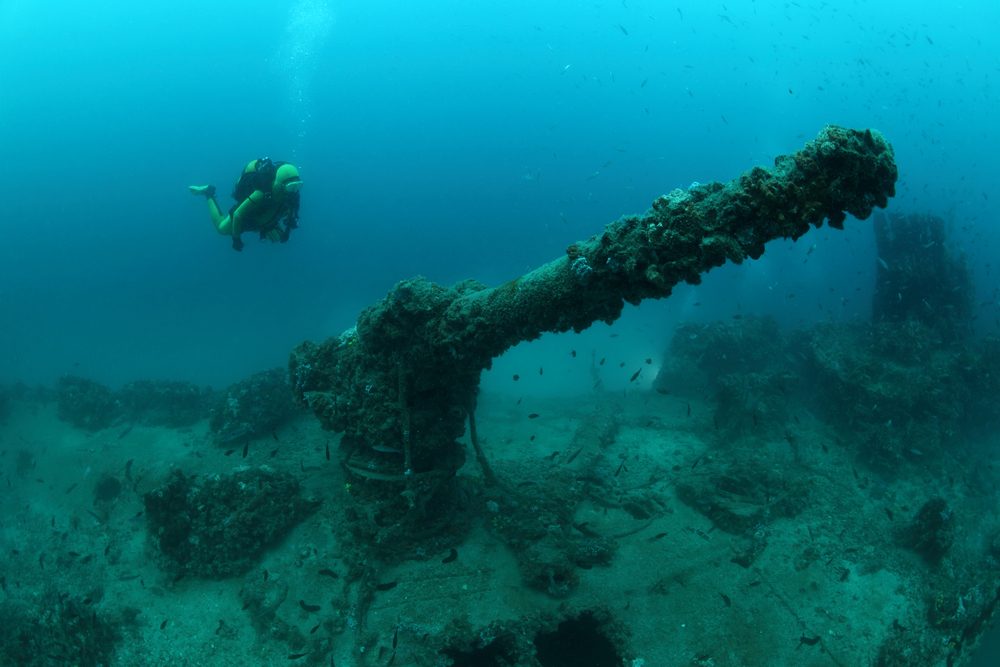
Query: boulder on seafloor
point(59, 628)
point(219, 526)
point(85, 404)
point(253, 407)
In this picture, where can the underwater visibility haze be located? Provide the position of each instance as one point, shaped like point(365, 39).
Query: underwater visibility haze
point(561, 364)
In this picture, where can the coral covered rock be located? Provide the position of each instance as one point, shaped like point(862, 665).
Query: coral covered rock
point(218, 527)
point(253, 407)
point(85, 404)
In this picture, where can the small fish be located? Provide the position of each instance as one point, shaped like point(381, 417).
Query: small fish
point(128, 469)
point(635, 375)
point(386, 449)
point(41, 561)
point(309, 607)
point(107, 549)
point(450, 558)
point(164, 624)
point(658, 536)
point(395, 635)
point(689, 409)
point(387, 586)
point(808, 641)
point(621, 466)
point(601, 362)
point(327, 572)
point(574, 455)
point(274, 452)
point(541, 371)
point(572, 353)
point(726, 600)
point(884, 264)
point(266, 574)
point(662, 390)
point(552, 455)
point(516, 377)
point(315, 628)
point(127, 430)
point(531, 439)
point(533, 415)
point(228, 452)
point(621, 365)
point(622, 28)
point(888, 513)
point(274, 434)
point(296, 656)
point(246, 448)
point(327, 451)
point(649, 360)
point(644, 82)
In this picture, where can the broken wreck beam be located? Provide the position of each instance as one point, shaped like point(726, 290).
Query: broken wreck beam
point(400, 384)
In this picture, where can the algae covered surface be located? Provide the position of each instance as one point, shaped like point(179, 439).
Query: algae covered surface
point(736, 509)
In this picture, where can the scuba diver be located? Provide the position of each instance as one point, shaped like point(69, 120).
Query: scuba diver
point(266, 194)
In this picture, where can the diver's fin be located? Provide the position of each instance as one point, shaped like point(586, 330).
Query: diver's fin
point(208, 191)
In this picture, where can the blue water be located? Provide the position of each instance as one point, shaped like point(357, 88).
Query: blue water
point(448, 139)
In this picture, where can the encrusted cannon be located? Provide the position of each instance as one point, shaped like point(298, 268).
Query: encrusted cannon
point(401, 384)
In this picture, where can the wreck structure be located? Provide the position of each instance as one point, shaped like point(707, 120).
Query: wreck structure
point(402, 384)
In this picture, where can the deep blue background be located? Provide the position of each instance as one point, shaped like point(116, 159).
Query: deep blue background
point(449, 139)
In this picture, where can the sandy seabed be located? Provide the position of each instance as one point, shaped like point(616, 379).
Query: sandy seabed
point(829, 583)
